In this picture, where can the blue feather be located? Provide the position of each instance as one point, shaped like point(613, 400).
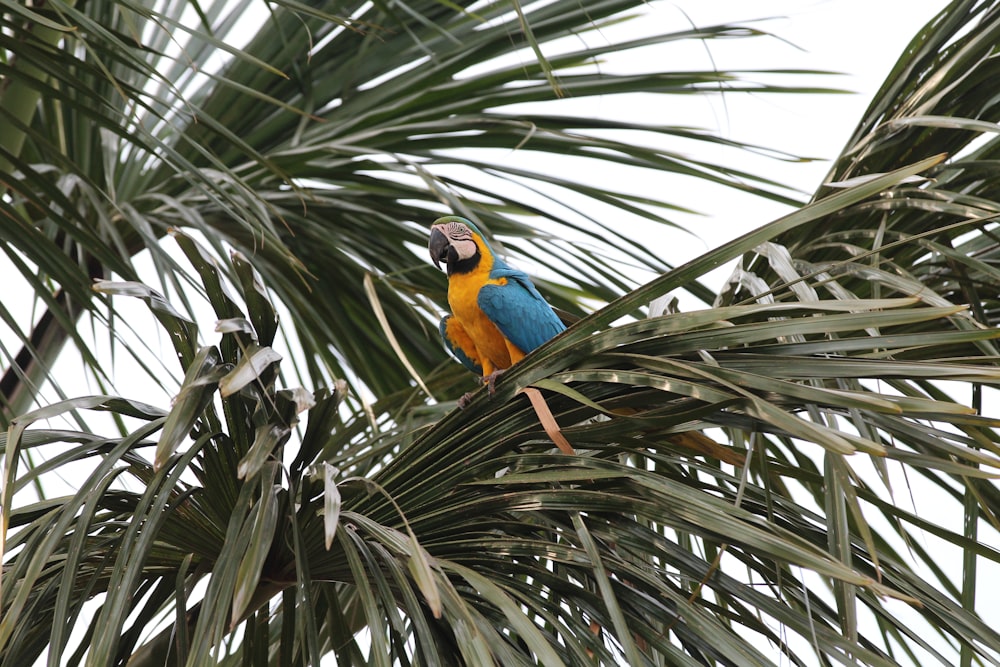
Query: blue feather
point(517, 309)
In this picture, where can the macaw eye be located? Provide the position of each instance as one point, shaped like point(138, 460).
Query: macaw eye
point(457, 231)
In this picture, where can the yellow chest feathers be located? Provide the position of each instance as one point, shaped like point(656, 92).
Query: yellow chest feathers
point(463, 292)
point(463, 297)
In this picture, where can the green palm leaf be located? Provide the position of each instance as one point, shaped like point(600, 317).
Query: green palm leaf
point(735, 497)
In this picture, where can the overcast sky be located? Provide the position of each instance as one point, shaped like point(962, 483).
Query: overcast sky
point(860, 38)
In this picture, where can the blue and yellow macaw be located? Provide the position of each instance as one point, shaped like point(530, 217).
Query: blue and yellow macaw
point(497, 315)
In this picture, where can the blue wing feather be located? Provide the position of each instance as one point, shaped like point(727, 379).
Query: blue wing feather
point(518, 310)
point(460, 344)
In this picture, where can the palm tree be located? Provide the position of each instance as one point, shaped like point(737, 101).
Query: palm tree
point(745, 487)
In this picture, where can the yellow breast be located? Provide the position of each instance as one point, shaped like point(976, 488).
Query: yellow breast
point(463, 297)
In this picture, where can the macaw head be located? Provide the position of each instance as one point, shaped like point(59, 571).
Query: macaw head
point(458, 243)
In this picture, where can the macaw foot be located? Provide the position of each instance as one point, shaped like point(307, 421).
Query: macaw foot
point(491, 386)
point(465, 399)
point(491, 380)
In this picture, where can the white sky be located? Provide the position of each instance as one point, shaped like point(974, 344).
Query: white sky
point(861, 38)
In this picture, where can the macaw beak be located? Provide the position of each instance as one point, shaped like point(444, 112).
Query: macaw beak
point(439, 245)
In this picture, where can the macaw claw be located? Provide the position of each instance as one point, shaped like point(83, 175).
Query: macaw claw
point(491, 380)
point(491, 386)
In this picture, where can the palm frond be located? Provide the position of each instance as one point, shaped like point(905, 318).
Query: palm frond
point(464, 537)
point(752, 481)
